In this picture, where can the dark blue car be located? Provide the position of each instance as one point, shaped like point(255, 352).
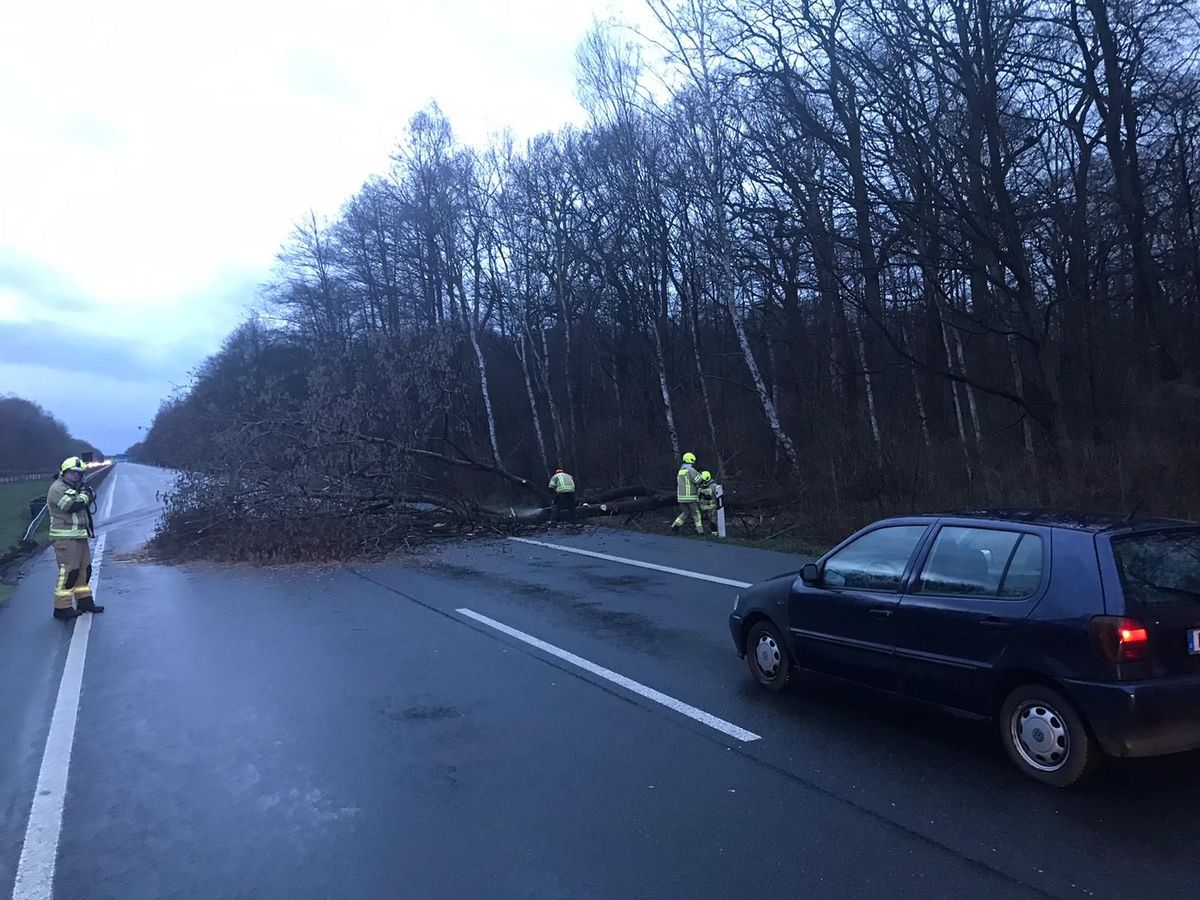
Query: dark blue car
point(1078, 633)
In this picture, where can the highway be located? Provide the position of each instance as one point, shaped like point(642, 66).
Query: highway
point(500, 719)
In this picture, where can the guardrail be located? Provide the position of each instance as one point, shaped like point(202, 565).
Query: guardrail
point(33, 526)
point(15, 479)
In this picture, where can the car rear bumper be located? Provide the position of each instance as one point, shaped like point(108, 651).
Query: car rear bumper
point(1142, 718)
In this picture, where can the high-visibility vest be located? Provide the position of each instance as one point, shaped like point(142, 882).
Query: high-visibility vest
point(68, 512)
point(685, 484)
point(562, 483)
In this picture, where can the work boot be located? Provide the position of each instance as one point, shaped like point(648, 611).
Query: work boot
point(67, 614)
point(88, 604)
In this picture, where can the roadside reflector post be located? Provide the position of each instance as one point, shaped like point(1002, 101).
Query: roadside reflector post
point(720, 493)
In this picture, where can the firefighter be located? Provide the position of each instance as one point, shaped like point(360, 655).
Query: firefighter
point(708, 501)
point(69, 503)
point(564, 496)
point(687, 483)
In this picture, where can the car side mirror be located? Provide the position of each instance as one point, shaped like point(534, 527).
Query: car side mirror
point(810, 574)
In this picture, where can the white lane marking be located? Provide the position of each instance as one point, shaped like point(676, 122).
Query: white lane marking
point(112, 490)
point(679, 706)
point(39, 853)
point(635, 562)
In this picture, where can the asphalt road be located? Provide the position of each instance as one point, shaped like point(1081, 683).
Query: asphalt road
point(349, 731)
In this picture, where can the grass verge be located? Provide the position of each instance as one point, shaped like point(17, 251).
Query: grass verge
point(791, 540)
point(799, 546)
point(14, 512)
point(14, 519)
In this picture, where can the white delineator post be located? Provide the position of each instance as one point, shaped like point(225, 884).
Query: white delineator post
point(720, 493)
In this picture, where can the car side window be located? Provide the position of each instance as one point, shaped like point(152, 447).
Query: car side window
point(876, 561)
point(1024, 575)
point(982, 562)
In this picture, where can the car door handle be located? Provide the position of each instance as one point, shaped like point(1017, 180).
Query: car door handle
point(993, 623)
point(881, 612)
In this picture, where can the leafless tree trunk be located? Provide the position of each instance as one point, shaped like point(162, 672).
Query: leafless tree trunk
point(533, 410)
point(954, 386)
point(710, 160)
point(1119, 113)
point(664, 388)
point(872, 415)
point(560, 444)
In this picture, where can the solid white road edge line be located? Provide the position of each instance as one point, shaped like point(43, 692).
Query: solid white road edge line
point(39, 853)
point(635, 562)
point(728, 728)
point(108, 502)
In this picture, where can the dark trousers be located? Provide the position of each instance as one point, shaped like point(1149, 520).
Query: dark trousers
point(564, 506)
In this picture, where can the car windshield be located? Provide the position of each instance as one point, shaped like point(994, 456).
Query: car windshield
point(1160, 568)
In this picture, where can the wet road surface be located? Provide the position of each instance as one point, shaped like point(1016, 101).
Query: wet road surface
point(367, 731)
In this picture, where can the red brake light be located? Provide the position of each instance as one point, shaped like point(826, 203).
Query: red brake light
point(1120, 640)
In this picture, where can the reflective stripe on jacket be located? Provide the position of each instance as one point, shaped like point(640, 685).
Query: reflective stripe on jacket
point(685, 484)
point(708, 497)
point(563, 483)
point(68, 512)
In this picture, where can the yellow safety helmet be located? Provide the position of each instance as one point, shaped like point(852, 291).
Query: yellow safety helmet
point(706, 476)
point(689, 458)
point(71, 464)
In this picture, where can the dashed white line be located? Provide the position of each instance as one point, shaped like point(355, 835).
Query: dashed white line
point(699, 715)
point(39, 853)
point(700, 576)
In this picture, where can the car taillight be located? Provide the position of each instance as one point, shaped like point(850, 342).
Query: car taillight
point(1119, 640)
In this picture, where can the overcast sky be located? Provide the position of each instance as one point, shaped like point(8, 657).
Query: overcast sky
point(153, 157)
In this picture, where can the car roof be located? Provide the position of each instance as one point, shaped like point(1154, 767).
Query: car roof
point(1073, 519)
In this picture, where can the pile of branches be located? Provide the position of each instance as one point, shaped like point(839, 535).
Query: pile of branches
point(319, 486)
point(270, 517)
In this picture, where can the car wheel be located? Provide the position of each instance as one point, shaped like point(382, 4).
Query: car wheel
point(767, 657)
point(1046, 737)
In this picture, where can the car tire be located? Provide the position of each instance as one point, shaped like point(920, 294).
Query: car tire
point(1045, 737)
point(767, 656)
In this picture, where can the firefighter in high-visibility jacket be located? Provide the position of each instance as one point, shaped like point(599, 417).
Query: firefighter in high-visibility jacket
point(564, 495)
point(69, 503)
point(708, 501)
point(687, 494)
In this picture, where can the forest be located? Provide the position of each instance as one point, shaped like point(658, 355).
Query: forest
point(862, 258)
point(32, 441)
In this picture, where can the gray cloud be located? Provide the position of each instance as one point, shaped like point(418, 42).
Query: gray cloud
point(71, 347)
point(111, 384)
point(161, 343)
point(222, 302)
point(50, 292)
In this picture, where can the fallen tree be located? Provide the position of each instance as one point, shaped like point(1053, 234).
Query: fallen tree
point(267, 518)
point(617, 502)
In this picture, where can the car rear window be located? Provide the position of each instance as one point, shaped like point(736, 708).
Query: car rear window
point(1159, 568)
